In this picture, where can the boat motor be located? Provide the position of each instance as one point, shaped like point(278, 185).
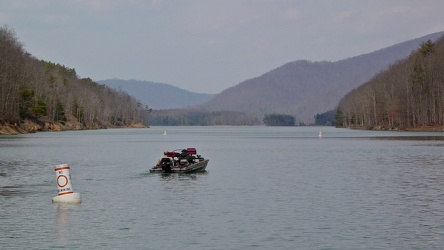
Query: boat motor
point(166, 165)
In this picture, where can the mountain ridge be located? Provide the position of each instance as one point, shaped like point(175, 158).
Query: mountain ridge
point(303, 88)
point(158, 95)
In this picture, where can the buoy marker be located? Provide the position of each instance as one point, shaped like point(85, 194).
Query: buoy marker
point(63, 180)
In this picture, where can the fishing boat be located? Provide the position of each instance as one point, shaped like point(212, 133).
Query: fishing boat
point(187, 161)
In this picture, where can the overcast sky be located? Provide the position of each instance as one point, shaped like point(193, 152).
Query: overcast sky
point(206, 46)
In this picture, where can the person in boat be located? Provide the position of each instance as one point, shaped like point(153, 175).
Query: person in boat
point(165, 156)
point(184, 156)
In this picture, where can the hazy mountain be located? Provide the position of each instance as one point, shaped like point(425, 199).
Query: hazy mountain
point(158, 95)
point(304, 88)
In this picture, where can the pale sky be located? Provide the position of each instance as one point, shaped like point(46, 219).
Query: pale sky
point(206, 46)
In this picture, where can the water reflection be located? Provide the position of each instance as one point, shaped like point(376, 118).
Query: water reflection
point(12, 191)
point(182, 177)
point(63, 221)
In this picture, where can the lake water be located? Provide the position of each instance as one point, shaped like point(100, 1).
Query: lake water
point(265, 188)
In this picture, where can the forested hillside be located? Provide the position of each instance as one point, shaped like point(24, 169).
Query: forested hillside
point(409, 95)
point(38, 95)
point(158, 95)
point(303, 88)
point(194, 117)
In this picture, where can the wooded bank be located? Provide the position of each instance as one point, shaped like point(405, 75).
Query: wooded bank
point(407, 96)
point(52, 96)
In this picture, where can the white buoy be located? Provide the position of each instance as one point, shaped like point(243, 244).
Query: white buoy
point(320, 134)
point(66, 193)
point(164, 132)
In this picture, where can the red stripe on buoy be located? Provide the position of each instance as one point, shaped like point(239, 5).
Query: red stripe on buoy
point(65, 193)
point(57, 169)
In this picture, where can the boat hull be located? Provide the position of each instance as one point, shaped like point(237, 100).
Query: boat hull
point(191, 168)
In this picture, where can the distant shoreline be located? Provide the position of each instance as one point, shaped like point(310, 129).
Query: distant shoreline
point(415, 129)
point(28, 127)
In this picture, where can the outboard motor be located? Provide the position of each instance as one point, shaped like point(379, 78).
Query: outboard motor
point(166, 165)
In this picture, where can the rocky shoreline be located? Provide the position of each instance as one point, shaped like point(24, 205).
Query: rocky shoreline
point(29, 126)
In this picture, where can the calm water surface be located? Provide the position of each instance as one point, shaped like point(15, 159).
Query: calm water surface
point(265, 188)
